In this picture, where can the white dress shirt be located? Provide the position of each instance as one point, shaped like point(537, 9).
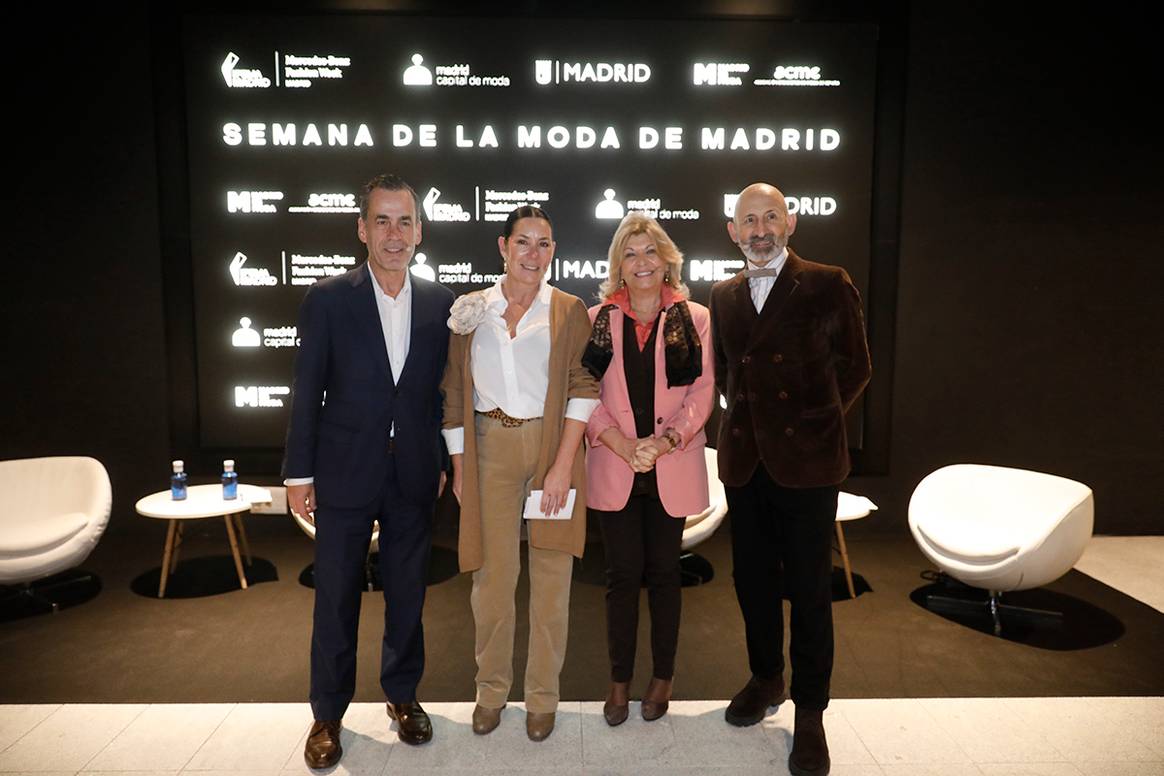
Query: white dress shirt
point(395, 322)
point(512, 373)
point(396, 325)
point(760, 287)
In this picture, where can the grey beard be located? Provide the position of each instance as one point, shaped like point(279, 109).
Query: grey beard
point(757, 258)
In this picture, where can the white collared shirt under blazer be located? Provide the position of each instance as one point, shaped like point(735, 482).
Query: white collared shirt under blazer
point(760, 287)
point(512, 373)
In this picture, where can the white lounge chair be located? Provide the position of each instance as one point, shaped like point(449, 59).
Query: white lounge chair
point(1000, 529)
point(56, 510)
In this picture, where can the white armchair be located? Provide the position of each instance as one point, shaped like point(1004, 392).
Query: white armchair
point(1001, 529)
point(694, 569)
point(371, 577)
point(698, 527)
point(57, 509)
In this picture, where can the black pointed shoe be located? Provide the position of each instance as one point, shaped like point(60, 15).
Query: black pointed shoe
point(412, 722)
point(323, 748)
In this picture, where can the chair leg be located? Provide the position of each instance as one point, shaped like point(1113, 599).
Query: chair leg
point(177, 547)
point(25, 590)
point(993, 606)
point(167, 552)
point(238, 566)
point(845, 560)
point(242, 535)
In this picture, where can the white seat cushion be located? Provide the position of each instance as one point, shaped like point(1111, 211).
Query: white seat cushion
point(42, 535)
point(968, 542)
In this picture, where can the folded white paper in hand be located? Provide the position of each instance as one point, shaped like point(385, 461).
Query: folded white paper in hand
point(533, 507)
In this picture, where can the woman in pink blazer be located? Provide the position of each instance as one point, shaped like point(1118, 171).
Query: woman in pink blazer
point(645, 468)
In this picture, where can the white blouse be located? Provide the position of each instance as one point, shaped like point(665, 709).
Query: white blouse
point(513, 373)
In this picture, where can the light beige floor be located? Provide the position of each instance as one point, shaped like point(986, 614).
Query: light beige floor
point(1133, 565)
point(946, 736)
point(880, 737)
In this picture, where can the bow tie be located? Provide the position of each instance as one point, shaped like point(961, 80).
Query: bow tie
point(764, 272)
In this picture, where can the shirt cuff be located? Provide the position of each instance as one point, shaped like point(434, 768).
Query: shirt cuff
point(299, 481)
point(580, 409)
point(454, 439)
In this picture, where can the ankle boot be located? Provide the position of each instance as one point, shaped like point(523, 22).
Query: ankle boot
point(617, 706)
point(657, 698)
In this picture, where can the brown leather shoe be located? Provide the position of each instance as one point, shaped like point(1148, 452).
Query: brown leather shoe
point(538, 726)
point(617, 706)
point(323, 748)
point(657, 699)
point(413, 724)
point(485, 720)
point(751, 704)
point(810, 751)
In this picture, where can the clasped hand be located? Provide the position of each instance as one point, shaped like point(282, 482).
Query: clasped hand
point(642, 453)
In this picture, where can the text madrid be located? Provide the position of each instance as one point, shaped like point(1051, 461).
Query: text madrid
point(533, 137)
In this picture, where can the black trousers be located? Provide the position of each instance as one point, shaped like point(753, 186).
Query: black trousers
point(642, 543)
point(782, 547)
point(342, 538)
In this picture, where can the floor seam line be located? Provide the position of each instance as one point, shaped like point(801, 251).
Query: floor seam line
point(198, 748)
point(115, 737)
point(34, 727)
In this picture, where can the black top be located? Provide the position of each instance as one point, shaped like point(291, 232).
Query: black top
point(639, 368)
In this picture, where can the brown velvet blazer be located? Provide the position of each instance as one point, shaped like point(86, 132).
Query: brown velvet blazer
point(789, 374)
point(569, 333)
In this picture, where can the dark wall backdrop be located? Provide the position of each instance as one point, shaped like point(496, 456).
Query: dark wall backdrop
point(1028, 327)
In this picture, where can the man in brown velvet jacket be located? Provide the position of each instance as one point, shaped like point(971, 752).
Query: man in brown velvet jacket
point(791, 359)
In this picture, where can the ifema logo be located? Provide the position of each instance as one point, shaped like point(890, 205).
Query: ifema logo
point(240, 78)
point(250, 276)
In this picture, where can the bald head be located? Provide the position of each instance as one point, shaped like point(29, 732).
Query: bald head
point(761, 225)
point(762, 192)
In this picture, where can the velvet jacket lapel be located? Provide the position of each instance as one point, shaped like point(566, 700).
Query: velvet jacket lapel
point(782, 290)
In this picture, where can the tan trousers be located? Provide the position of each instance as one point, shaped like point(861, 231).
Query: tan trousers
point(506, 459)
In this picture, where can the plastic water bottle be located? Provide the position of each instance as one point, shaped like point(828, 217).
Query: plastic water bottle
point(229, 480)
point(178, 481)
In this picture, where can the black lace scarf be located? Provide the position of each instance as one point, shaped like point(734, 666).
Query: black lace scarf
point(681, 346)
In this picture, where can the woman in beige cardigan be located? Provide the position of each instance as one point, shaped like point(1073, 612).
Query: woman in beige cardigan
point(516, 382)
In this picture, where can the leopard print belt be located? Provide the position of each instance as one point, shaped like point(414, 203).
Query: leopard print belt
point(508, 421)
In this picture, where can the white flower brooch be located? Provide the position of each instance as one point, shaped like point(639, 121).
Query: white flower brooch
point(467, 312)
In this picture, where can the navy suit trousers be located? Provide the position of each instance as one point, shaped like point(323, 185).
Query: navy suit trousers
point(342, 538)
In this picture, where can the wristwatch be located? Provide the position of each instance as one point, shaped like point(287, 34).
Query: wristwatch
point(672, 436)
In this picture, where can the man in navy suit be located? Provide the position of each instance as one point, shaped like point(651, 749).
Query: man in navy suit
point(363, 445)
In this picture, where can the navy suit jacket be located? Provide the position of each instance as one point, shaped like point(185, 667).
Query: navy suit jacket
point(344, 401)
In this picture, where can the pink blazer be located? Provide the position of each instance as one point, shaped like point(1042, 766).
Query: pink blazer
point(682, 473)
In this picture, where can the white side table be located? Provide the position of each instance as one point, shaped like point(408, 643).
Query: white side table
point(202, 501)
point(850, 507)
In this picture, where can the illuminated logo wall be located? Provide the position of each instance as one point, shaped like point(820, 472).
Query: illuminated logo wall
point(288, 116)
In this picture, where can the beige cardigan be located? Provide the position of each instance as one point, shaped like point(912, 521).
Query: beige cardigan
point(569, 333)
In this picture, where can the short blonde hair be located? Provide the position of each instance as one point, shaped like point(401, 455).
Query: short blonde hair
point(636, 223)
